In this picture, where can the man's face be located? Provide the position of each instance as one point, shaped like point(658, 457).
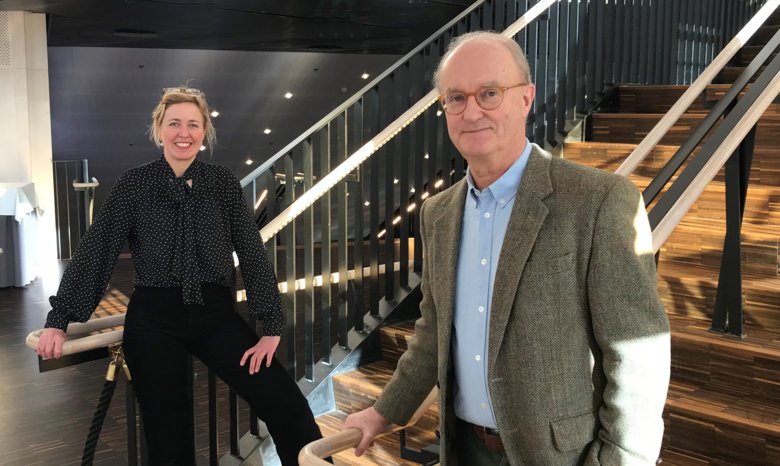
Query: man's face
point(479, 134)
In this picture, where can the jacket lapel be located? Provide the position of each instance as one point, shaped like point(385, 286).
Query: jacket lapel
point(527, 218)
point(444, 243)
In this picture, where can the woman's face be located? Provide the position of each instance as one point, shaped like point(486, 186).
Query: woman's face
point(182, 131)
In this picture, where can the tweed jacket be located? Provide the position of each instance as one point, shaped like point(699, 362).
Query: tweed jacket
point(578, 344)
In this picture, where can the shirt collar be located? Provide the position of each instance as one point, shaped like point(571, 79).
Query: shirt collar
point(505, 187)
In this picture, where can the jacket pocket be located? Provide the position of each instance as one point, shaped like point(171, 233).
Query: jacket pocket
point(574, 432)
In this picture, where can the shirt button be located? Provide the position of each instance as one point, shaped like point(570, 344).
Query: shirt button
point(502, 201)
point(483, 405)
point(481, 308)
point(487, 214)
point(478, 357)
point(483, 262)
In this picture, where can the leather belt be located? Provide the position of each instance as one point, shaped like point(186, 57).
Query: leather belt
point(489, 437)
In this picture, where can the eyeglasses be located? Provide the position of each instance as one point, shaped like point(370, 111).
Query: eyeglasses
point(488, 98)
point(183, 90)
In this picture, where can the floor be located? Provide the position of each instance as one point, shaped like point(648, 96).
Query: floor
point(45, 417)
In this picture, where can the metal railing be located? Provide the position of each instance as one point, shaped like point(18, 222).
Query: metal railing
point(390, 154)
point(71, 208)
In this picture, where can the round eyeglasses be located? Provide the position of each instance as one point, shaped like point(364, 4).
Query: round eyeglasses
point(488, 98)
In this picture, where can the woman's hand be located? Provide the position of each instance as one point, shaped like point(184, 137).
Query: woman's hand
point(264, 349)
point(50, 343)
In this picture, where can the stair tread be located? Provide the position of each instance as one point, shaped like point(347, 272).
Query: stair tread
point(763, 343)
point(703, 272)
point(707, 404)
point(373, 376)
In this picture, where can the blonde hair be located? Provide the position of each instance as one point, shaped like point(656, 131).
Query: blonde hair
point(180, 95)
point(486, 36)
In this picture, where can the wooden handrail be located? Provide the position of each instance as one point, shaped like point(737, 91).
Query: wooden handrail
point(705, 78)
point(80, 337)
point(312, 454)
point(746, 122)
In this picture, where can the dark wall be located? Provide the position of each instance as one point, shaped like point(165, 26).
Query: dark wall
point(102, 98)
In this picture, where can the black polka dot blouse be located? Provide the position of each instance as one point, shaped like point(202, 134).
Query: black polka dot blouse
point(180, 236)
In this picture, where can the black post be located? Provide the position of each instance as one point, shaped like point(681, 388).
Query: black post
point(213, 450)
point(727, 316)
point(132, 442)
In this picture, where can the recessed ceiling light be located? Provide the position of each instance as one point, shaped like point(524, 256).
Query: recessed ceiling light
point(438, 112)
point(367, 203)
point(202, 148)
point(395, 180)
point(248, 161)
point(214, 114)
point(364, 75)
point(267, 131)
point(288, 95)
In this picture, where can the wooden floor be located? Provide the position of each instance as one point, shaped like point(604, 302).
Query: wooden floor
point(45, 417)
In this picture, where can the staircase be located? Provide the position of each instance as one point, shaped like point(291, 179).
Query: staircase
point(723, 406)
point(724, 398)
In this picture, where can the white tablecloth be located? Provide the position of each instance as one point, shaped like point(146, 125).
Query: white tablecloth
point(18, 233)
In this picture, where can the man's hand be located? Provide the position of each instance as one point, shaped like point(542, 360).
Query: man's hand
point(370, 422)
point(264, 349)
point(50, 343)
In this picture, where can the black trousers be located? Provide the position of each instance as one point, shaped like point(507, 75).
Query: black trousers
point(159, 333)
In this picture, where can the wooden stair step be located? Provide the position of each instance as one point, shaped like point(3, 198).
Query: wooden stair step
point(359, 388)
point(729, 74)
point(660, 98)
point(386, 450)
point(727, 429)
point(690, 290)
point(700, 241)
point(748, 53)
point(394, 340)
point(748, 367)
point(765, 167)
point(763, 201)
point(631, 128)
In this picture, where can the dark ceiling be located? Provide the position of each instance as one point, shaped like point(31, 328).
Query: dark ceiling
point(109, 59)
point(348, 26)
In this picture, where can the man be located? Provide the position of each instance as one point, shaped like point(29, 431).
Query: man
point(544, 332)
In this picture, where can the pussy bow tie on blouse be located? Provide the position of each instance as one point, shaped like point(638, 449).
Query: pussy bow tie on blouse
point(185, 265)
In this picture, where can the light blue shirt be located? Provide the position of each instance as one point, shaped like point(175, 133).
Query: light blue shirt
point(485, 219)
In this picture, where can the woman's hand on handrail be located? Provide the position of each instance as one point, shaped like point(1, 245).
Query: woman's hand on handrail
point(370, 423)
point(50, 343)
point(80, 337)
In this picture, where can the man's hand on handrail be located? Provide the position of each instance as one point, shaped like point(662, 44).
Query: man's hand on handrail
point(50, 343)
point(368, 421)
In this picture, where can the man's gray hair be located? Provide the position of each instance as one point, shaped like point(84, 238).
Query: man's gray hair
point(486, 36)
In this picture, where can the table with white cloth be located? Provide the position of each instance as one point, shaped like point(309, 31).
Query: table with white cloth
point(18, 234)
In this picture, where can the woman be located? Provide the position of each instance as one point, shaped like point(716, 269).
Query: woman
point(183, 219)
